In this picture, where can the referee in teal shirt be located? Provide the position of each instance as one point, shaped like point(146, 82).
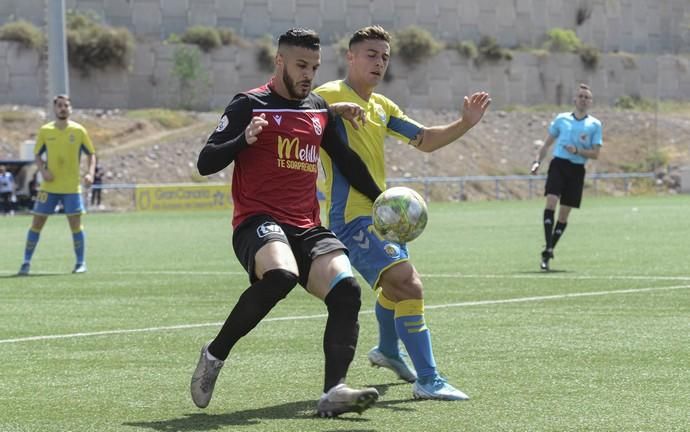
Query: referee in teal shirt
point(578, 138)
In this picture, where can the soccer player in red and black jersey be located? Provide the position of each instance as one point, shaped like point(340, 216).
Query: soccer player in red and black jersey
point(274, 134)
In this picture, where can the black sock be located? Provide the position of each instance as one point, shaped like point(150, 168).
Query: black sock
point(557, 233)
point(342, 330)
point(548, 227)
point(253, 305)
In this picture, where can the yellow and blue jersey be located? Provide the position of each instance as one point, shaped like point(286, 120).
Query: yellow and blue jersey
point(584, 134)
point(62, 149)
point(384, 118)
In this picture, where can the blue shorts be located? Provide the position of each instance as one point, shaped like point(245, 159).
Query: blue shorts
point(47, 202)
point(369, 253)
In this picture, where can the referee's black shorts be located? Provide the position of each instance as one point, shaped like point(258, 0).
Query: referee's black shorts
point(565, 180)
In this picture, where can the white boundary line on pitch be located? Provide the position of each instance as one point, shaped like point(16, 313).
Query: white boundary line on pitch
point(440, 275)
point(305, 317)
point(535, 275)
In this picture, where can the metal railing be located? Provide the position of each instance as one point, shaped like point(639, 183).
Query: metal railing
point(591, 180)
point(122, 195)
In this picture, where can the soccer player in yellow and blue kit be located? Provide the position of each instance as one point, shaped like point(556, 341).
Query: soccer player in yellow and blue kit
point(58, 149)
point(578, 138)
point(400, 305)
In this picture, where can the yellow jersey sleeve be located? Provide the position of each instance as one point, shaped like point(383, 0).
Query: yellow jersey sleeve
point(40, 145)
point(87, 145)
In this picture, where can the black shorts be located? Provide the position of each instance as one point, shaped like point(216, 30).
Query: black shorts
point(566, 180)
point(306, 243)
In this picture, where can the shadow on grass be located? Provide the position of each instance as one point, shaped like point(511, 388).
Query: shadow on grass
point(544, 272)
point(31, 275)
point(210, 422)
point(292, 410)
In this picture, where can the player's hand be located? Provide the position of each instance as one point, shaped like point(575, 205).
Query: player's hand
point(350, 112)
point(256, 125)
point(571, 149)
point(535, 168)
point(474, 107)
point(88, 179)
point(47, 175)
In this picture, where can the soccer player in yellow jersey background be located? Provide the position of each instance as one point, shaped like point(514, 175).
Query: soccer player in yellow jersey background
point(58, 149)
point(400, 306)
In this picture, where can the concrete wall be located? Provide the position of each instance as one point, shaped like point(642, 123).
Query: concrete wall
point(22, 80)
point(439, 83)
point(639, 26)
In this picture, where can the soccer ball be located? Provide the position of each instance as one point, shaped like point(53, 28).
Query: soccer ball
point(399, 214)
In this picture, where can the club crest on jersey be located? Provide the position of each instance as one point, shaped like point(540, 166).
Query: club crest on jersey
point(222, 124)
point(392, 250)
point(583, 138)
point(267, 228)
point(317, 125)
point(71, 138)
point(278, 118)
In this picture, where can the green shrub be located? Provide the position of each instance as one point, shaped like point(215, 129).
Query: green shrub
point(229, 37)
point(634, 102)
point(189, 71)
point(562, 40)
point(266, 53)
point(489, 49)
point(91, 45)
point(467, 49)
point(415, 44)
point(589, 56)
point(23, 32)
point(206, 38)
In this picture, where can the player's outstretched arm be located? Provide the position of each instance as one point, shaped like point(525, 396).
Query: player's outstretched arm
point(350, 112)
point(236, 130)
point(473, 110)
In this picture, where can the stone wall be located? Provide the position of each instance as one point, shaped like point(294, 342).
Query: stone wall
point(439, 83)
point(638, 26)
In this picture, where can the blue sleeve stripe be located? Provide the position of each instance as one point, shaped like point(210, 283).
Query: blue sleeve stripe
point(42, 149)
point(404, 128)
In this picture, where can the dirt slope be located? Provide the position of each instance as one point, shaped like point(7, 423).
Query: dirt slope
point(141, 151)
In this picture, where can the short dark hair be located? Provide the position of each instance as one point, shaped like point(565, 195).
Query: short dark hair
point(584, 86)
point(61, 96)
point(300, 37)
point(370, 33)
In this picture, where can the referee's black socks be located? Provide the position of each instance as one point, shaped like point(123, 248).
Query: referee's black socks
point(557, 233)
point(548, 227)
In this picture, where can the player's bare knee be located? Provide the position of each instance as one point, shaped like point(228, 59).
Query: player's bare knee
point(402, 283)
point(38, 222)
point(411, 288)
